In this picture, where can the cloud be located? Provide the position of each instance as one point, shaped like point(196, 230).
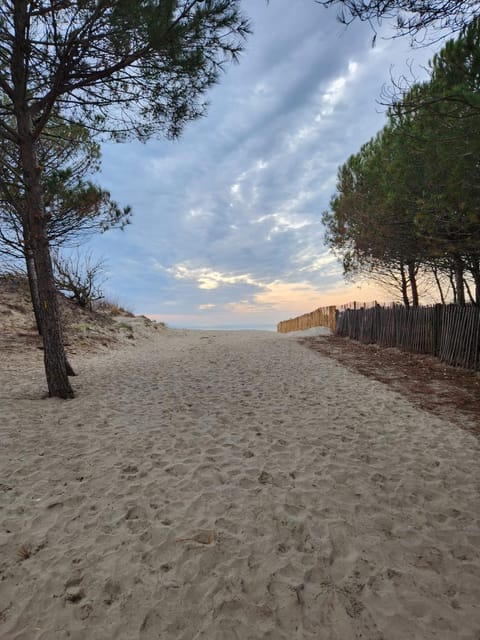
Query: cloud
point(208, 278)
point(227, 220)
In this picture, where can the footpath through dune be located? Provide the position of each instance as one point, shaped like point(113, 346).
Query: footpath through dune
point(232, 485)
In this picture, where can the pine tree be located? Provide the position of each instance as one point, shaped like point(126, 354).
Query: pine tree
point(121, 67)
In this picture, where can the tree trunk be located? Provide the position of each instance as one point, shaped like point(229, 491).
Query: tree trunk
point(35, 216)
point(412, 276)
point(404, 285)
point(56, 366)
point(437, 280)
point(33, 284)
point(452, 284)
point(475, 270)
point(467, 288)
point(459, 283)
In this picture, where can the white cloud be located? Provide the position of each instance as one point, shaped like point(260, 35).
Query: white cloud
point(283, 222)
point(336, 91)
point(199, 213)
point(235, 189)
point(209, 278)
point(327, 100)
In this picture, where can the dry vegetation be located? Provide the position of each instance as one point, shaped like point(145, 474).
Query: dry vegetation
point(84, 330)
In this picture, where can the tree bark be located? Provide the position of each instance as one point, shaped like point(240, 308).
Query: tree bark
point(56, 367)
point(36, 219)
point(475, 270)
point(404, 286)
point(452, 284)
point(437, 280)
point(459, 283)
point(469, 292)
point(412, 276)
point(33, 284)
point(42, 283)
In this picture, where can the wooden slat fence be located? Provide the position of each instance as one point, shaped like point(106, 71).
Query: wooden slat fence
point(449, 332)
point(321, 317)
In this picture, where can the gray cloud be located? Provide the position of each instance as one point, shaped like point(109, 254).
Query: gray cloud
point(242, 192)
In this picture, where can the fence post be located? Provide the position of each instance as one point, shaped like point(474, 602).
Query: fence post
point(437, 329)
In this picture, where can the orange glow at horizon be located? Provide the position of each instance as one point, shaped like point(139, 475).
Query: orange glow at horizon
point(279, 301)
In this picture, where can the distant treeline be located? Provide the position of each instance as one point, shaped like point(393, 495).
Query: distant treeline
point(407, 206)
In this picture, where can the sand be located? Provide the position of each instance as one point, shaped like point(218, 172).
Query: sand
point(231, 485)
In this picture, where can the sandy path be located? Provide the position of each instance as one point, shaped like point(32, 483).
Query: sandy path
point(232, 486)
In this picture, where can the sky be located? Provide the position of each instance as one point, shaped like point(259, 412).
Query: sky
point(226, 229)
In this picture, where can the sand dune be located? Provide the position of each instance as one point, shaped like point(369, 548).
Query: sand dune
point(231, 485)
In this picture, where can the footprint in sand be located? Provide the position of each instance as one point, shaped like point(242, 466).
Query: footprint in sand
point(136, 512)
point(111, 591)
point(130, 468)
point(265, 478)
point(430, 558)
point(74, 592)
point(149, 629)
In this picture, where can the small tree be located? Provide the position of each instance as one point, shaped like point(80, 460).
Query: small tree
point(80, 278)
point(76, 206)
